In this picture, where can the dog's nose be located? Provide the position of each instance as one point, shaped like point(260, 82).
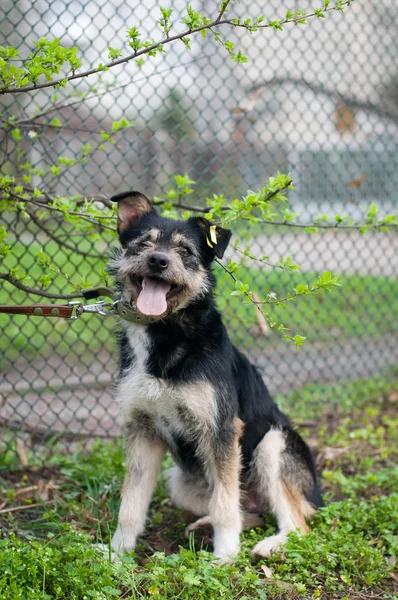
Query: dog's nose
point(158, 262)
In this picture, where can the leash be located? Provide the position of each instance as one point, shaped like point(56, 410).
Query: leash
point(75, 309)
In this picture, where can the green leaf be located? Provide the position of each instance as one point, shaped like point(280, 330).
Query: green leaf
point(16, 134)
point(326, 277)
point(114, 53)
point(55, 170)
point(302, 289)
point(298, 340)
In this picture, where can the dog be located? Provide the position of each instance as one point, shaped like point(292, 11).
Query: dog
point(184, 388)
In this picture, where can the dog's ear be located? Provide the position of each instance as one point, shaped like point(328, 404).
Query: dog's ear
point(217, 238)
point(131, 207)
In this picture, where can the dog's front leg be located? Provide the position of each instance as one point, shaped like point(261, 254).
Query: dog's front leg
point(143, 457)
point(224, 506)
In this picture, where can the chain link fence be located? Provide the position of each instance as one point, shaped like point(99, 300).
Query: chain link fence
point(319, 101)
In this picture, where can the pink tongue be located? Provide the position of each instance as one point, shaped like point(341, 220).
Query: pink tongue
point(152, 299)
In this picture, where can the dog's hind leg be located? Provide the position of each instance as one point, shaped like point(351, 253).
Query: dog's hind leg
point(249, 521)
point(187, 492)
point(194, 495)
point(285, 476)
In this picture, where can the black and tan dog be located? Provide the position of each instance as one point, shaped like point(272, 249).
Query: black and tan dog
point(185, 388)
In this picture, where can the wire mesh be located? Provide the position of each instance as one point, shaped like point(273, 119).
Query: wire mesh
point(319, 101)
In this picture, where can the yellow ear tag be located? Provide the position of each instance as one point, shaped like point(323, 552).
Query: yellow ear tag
point(208, 242)
point(213, 235)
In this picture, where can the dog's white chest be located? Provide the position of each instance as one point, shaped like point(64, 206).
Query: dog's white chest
point(166, 402)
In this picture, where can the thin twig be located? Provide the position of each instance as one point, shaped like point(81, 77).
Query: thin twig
point(26, 490)
point(261, 320)
point(260, 260)
point(107, 489)
point(309, 292)
point(54, 208)
point(25, 507)
point(256, 304)
point(197, 209)
point(338, 225)
point(21, 453)
point(359, 594)
point(39, 125)
point(224, 8)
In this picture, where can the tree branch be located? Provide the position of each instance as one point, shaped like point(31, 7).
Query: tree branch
point(33, 124)
point(16, 283)
point(59, 241)
point(321, 225)
point(207, 209)
point(187, 33)
point(347, 99)
point(96, 198)
point(67, 103)
point(338, 225)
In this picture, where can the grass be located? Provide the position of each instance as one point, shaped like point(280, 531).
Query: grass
point(46, 551)
point(365, 307)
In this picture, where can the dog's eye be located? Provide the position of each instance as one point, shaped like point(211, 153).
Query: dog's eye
point(185, 250)
point(145, 244)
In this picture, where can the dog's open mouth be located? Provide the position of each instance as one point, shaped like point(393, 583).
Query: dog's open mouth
point(153, 297)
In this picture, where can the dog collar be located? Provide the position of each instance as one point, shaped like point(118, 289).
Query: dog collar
point(129, 313)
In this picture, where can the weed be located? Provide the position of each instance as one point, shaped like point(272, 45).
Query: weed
point(47, 551)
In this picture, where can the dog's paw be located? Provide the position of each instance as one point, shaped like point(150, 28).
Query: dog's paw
point(269, 545)
point(203, 522)
point(104, 550)
point(219, 561)
point(226, 546)
point(124, 539)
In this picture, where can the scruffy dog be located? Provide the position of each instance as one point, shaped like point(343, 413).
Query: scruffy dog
point(185, 388)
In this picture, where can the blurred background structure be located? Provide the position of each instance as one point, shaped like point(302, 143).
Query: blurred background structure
point(319, 101)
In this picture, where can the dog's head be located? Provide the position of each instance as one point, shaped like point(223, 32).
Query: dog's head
point(164, 264)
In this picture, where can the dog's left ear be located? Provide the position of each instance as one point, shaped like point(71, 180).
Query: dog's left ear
point(131, 207)
point(217, 237)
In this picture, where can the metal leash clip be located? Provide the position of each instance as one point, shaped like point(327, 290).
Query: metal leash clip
point(122, 309)
point(100, 308)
